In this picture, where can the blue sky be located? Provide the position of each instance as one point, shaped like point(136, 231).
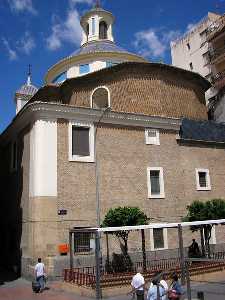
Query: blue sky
point(42, 32)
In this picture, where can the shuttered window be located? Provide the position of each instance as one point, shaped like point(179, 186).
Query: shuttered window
point(158, 238)
point(202, 179)
point(155, 182)
point(80, 141)
point(152, 137)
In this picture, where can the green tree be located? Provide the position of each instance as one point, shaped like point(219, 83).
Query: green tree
point(201, 211)
point(125, 216)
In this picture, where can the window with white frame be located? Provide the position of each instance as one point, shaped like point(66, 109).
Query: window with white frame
point(155, 183)
point(14, 156)
point(158, 238)
point(152, 137)
point(202, 180)
point(81, 142)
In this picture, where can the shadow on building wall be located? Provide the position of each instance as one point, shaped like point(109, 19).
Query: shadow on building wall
point(11, 182)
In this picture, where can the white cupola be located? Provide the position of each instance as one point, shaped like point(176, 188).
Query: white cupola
point(97, 25)
point(25, 93)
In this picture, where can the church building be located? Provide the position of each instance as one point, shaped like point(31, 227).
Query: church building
point(106, 122)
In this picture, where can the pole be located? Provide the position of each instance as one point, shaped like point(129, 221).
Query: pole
point(181, 251)
point(188, 281)
point(98, 268)
point(71, 253)
point(143, 248)
point(98, 215)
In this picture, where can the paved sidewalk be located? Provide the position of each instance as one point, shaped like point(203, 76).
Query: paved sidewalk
point(20, 289)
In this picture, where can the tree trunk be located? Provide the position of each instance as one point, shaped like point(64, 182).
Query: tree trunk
point(125, 247)
point(143, 249)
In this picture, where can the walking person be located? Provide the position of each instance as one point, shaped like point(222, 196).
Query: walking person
point(164, 284)
point(138, 285)
point(40, 274)
point(156, 290)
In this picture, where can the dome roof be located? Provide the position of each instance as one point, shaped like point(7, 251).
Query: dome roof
point(99, 46)
point(27, 89)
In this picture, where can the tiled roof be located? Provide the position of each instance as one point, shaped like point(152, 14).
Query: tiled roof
point(27, 89)
point(208, 131)
point(100, 46)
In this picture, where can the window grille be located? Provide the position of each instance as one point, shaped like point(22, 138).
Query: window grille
point(202, 179)
point(82, 242)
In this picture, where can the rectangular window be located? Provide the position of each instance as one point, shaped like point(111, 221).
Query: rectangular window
point(158, 238)
point(202, 180)
point(191, 66)
point(84, 69)
point(93, 25)
point(81, 142)
point(82, 242)
point(155, 183)
point(14, 156)
point(152, 137)
point(188, 46)
point(206, 58)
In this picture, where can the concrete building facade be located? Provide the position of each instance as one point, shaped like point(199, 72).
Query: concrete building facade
point(202, 50)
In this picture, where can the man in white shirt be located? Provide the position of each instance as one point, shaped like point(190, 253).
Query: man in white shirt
point(40, 274)
point(138, 285)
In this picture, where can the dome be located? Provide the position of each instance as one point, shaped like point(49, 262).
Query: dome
point(27, 89)
point(99, 46)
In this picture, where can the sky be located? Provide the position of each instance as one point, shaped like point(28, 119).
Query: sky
point(40, 33)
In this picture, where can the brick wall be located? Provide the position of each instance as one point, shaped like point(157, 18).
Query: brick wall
point(123, 160)
point(159, 92)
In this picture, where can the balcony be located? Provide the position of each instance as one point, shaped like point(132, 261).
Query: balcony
point(215, 28)
point(218, 80)
point(216, 55)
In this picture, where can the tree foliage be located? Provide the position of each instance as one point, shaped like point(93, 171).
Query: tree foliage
point(124, 216)
point(201, 211)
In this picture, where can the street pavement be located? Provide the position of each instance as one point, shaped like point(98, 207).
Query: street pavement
point(20, 289)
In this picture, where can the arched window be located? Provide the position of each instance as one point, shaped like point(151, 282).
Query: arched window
point(102, 30)
point(100, 98)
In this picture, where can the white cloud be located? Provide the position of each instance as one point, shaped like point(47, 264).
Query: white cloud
point(65, 31)
point(22, 5)
point(154, 42)
point(11, 53)
point(68, 30)
point(26, 44)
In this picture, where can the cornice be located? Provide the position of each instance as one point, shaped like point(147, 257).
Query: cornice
point(52, 111)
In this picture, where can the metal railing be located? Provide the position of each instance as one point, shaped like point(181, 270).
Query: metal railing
point(86, 276)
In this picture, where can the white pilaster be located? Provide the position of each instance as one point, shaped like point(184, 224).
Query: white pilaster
point(43, 159)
